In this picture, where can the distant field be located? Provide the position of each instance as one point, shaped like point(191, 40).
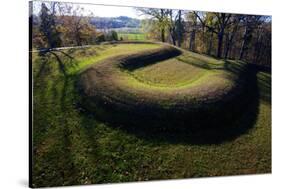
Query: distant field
point(132, 36)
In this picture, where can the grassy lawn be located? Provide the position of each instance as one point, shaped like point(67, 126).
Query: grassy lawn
point(132, 36)
point(72, 147)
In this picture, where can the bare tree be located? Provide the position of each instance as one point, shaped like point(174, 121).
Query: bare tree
point(172, 27)
point(76, 22)
point(48, 25)
point(161, 15)
point(193, 20)
point(231, 34)
point(179, 27)
point(249, 22)
point(222, 22)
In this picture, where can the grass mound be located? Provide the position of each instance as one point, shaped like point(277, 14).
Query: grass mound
point(127, 88)
point(73, 147)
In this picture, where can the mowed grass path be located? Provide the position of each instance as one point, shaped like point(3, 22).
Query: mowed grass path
point(72, 147)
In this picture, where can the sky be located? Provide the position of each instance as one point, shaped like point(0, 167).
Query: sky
point(112, 11)
point(101, 10)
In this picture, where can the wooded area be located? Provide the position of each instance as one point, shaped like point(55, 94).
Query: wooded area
point(222, 35)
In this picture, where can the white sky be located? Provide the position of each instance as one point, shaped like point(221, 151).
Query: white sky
point(112, 11)
point(100, 10)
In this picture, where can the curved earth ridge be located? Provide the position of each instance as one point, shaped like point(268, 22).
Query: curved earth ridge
point(112, 94)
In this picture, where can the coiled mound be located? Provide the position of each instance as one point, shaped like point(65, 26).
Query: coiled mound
point(112, 94)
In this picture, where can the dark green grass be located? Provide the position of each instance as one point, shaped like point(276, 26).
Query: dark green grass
point(72, 147)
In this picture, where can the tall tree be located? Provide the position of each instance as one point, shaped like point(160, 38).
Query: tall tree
point(179, 28)
point(231, 34)
point(222, 22)
point(172, 27)
point(192, 19)
point(48, 25)
point(175, 26)
point(76, 26)
point(211, 22)
point(161, 15)
point(250, 22)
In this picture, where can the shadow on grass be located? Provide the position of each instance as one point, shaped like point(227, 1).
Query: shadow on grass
point(51, 82)
point(235, 119)
point(62, 59)
point(56, 164)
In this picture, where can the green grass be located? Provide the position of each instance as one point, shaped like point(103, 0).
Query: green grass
point(163, 73)
point(98, 53)
point(72, 147)
point(187, 69)
point(132, 36)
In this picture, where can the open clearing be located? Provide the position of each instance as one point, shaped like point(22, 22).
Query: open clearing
point(132, 36)
point(73, 147)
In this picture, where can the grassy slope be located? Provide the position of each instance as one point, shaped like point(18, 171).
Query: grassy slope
point(71, 147)
point(187, 69)
point(170, 73)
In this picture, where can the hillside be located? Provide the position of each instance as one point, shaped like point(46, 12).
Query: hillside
point(69, 141)
point(115, 22)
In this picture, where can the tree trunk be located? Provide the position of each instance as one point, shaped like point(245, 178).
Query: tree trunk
point(220, 41)
point(179, 30)
point(173, 36)
point(257, 48)
point(172, 28)
point(163, 35)
point(228, 45)
point(162, 27)
point(229, 41)
point(78, 40)
point(243, 46)
point(192, 40)
point(210, 44)
point(227, 50)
